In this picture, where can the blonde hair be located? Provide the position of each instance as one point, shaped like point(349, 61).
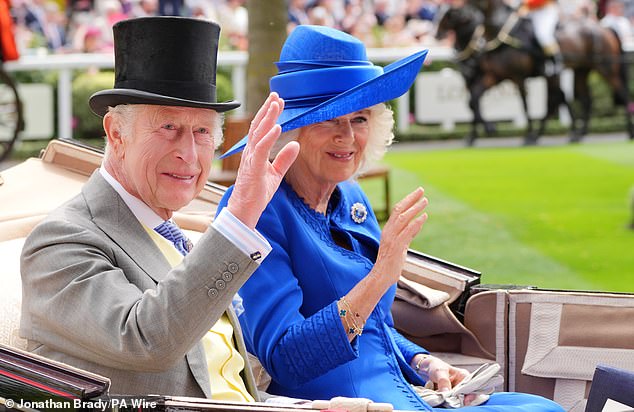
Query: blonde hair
point(125, 115)
point(381, 136)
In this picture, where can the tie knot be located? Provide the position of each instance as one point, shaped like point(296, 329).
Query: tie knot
point(172, 232)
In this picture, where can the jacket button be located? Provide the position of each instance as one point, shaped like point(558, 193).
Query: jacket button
point(227, 276)
point(233, 267)
point(220, 284)
point(212, 293)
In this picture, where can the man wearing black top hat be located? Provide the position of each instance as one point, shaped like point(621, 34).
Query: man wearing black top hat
point(109, 283)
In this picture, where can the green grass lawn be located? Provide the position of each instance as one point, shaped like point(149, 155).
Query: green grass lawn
point(552, 217)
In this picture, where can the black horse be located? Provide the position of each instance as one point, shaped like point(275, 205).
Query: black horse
point(513, 54)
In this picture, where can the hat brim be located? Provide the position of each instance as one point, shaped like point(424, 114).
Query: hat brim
point(396, 79)
point(100, 101)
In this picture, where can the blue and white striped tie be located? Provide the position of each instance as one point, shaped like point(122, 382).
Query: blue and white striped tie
point(173, 233)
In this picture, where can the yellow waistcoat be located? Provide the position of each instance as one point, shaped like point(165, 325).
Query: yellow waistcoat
point(224, 362)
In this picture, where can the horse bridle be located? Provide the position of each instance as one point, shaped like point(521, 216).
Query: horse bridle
point(474, 44)
point(504, 35)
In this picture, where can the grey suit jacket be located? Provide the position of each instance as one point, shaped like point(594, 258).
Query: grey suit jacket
point(98, 294)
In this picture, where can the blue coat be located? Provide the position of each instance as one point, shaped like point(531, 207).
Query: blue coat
point(291, 322)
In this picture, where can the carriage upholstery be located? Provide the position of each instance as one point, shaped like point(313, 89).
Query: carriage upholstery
point(551, 342)
point(28, 192)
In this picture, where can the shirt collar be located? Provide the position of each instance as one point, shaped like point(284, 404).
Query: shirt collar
point(139, 209)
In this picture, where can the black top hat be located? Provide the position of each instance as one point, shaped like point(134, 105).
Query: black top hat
point(167, 61)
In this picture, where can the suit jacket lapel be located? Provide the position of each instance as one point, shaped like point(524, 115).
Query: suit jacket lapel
point(197, 361)
point(114, 218)
point(247, 373)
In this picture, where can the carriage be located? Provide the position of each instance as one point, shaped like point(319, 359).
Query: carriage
point(547, 342)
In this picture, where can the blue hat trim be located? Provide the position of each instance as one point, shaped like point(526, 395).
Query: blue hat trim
point(295, 65)
point(313, 96)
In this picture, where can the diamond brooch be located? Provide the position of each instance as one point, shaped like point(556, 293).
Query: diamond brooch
point(358, 212)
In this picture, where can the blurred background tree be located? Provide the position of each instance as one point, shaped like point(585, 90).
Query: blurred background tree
point(267, 32)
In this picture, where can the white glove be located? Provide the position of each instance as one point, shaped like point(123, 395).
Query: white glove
point(481, 382)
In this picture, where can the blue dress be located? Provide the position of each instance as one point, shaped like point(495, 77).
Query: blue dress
point(291, 322)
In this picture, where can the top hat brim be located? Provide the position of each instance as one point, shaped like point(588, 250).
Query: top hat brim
point(100, 101)
point(396, 79)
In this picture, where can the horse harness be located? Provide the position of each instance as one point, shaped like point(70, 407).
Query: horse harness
point(477, 43)
point(474, 46)
point(504, 35)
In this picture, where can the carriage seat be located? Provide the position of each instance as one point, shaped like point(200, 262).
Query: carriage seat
point(12, 293)
point(28, 192)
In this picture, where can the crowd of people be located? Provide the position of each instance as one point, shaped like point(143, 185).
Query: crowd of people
point(62, 26)
point(76, 26)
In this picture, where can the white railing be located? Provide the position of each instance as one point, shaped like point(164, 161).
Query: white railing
point(65, 64)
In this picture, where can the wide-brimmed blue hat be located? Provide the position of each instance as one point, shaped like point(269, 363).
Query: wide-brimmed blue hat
point(325, 73)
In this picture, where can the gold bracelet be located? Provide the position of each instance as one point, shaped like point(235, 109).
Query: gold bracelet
point(344, 310)
point(358, 330)
point(422, 358)
point(344, 301)
point(350, 330)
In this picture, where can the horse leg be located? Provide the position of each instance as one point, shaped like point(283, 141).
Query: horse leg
point(628, 114)
point(530, 138)
point(475, 93)
point(582, 95)
point(619, 84)
point(574, 134)
point(556, 97)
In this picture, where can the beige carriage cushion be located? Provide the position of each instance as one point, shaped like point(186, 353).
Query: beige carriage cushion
point(34, 188)
point(557, 339)
point(12, 293)
point(422, 295)
point(19, 227)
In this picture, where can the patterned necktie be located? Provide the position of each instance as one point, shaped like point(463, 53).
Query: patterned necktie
point(173, 233)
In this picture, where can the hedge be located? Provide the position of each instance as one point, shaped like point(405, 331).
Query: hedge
point(88, 125)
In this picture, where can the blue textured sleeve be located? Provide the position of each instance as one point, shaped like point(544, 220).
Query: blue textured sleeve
point(407, 348)
point(294, 349)
point(315, 346)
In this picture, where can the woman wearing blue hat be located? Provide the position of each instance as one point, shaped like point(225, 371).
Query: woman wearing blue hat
point(317, 311)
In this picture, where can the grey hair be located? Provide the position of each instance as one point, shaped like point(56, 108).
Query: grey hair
point(380, 123)
point(125, 115)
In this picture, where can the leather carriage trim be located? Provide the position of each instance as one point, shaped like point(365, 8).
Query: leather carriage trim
point(545, 358)
point(501, 305)
point(512, 345)
point(436, 279)
point(570, 394)
point(572, 297)
point(570, 366)
point(430, 298)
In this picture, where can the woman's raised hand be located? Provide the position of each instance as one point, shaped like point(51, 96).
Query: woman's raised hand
point(406, 220)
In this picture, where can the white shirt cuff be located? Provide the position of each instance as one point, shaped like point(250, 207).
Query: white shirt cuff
point(249, 241)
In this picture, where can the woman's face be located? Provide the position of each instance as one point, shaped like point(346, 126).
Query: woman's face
point(331, 151)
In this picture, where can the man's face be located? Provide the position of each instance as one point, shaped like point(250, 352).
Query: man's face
point(167, 159)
